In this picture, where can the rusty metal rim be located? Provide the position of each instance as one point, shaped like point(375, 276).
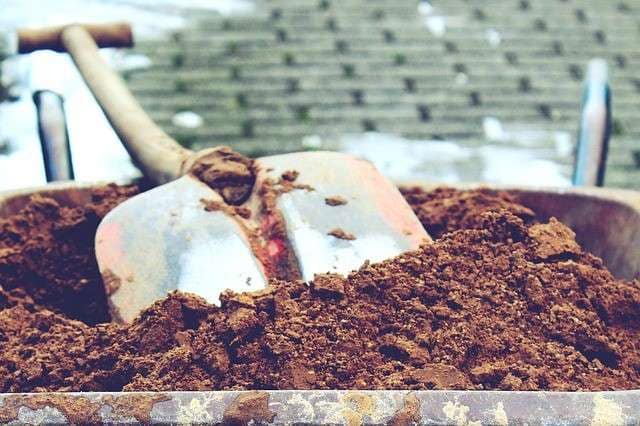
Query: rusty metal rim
point(323, 407)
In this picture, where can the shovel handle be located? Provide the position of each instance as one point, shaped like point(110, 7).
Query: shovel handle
point(117, 34)
point(160, 158)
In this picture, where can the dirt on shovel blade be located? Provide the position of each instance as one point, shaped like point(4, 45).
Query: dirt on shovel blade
point(497, 302)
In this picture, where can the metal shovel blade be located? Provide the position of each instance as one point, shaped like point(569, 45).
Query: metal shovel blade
point(351, 214)
point(164, 240)
point(339, 212)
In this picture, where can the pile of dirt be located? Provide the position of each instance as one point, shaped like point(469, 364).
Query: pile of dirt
point(496, 302)
point(47, 254)
point(446, 209)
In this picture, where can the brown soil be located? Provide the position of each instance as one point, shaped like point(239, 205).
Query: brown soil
point(46, 255)
point(335, 201)
point(231, 174)
point(446, 209)
point(341, 234)
point(496, 302)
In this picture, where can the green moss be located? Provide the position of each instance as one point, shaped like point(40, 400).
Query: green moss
point(242, 101)
point(349, 70)
point(399, 59)
point(180, 85)
point(617, 129)
point(303, 113)
point(248, 129)
point(232, 47)
point(186, 139)
point(235, 72)
point(288, 58)
point(177, 37)
point(177, 60)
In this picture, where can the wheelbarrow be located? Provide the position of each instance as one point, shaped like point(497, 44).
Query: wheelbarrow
point(611, 230)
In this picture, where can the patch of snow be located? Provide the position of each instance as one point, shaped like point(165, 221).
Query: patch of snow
point(535, 138)
point(563, 143)
point(121, 60)
point(223, 7)
point(461, 79)
point(146, 20)
point(493, 130)
point(493, 37)
point(404, 159)
point(187, 119)
point(312, 141)
point(96, 150)
point(523, 136)
point(15, 71)
point(97, 153)
point(22, 165)
point(8, 44)
point(513, 166)
point(148, 17)
point(47, 70)
point(425, 8)
point(437, 25)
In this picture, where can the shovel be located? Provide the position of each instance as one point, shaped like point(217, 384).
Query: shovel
point(219, 221)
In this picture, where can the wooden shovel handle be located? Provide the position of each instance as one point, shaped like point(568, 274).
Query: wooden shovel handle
point(160, 158)
point(117, 34)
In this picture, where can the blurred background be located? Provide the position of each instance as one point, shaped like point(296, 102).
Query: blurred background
point(442, 90)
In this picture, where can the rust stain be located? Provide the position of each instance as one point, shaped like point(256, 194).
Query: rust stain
point(409, 413)
point(356, 407)
point(247, 407)
point(76, 409)
point(136, 405)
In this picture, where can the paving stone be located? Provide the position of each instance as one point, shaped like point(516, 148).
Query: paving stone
point(294, 68)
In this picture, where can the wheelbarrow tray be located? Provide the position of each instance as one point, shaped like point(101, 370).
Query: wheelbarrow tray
point(606, 222)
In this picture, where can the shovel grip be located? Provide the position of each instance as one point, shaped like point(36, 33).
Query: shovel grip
point(160, 158)
point(116, 34)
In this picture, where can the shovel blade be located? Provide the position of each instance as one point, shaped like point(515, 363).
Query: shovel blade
point(375, 222)
point(164, 240)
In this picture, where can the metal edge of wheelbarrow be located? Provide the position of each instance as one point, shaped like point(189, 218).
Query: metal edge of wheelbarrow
point(351, 407)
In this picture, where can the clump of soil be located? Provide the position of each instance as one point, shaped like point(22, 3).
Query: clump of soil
point(335, 200)
point(341, 234)
point(447, 209)
point(229, 173)
point(496, 302)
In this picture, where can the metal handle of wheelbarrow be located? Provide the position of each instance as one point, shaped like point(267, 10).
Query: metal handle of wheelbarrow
point(595, 127)
point(54, 137)
point(160, 158)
